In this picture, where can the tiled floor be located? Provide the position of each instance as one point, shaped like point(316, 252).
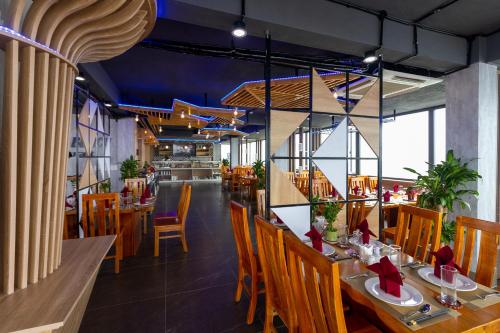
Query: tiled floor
point(177, 292)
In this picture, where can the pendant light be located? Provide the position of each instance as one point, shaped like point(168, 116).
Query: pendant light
point(239, 26)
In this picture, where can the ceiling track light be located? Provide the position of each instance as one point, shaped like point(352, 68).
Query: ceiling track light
point(189, 125)
point(160, 130)
point(370, 57)
point(239, 27)
point(136, 118)
point(232, 121)
point(182, 115)
point(235, 112)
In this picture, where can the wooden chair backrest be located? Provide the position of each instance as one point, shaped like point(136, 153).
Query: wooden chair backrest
point(417, 228)
point(355, 213)
point(183, 206)
point(136, 185)
point(97, 219)
point(315, 287)
point(241, 231)
point(290, 176)
point(359, 181)
point(372, 183)
point(465, 239)
point(271, 251)
point(261, 202)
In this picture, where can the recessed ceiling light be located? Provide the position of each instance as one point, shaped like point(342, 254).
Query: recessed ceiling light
point(239, 29)
point(370, 57)
point(80, 78)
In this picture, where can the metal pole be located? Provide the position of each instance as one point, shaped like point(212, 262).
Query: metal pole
point(380, 119)
point(348, 120)
point(267, 110)
point(310, 140)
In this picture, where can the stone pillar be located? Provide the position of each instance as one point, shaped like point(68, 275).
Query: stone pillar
point(472, 131)
point(235, 148)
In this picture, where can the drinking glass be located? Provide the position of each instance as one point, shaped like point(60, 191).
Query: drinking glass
point(343, 236)
point(395, 255)
point(449, 284)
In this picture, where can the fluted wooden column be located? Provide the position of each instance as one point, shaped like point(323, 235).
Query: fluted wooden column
point(42, 49)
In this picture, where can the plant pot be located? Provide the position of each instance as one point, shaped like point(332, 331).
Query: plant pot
point(331, 236)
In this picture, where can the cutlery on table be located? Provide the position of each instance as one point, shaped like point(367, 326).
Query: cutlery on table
point(423, 309)
point(426, 317)
point(484, 296)
point(355, 276)
point(410, 264)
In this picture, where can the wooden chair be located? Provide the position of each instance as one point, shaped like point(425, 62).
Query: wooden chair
point(261, 202)
point(418, 231)
point(98, 220)
point(136, 185)
point(174, 225)
point(465, 238)
point(247, 259)
point(279, 298)
point(355, 213)
point(372, 184)
point(315, 284)
point(360, 182)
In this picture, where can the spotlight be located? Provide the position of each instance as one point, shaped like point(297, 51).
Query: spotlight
point(235, 112)
point(335, 95)
point(208, 135)
point(108, 105)
point(189, 125)
point(145, 132)
point(232, 121)
point(137, 118)
point(166, 147)
point(370, 57)
point(199, 132)
point(239, 29)
point(182, 115)
point(160, 130)
point(204, 147)
point(80, 78)
point(234, 128)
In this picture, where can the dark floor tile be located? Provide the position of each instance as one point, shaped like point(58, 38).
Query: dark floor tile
point(129, 286)
point(209, 310)
point(144, 316)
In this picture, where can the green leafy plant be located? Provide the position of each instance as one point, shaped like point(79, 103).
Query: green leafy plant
point(258, 170)
point(443, 187)
point(105, 186)
point(129, 168)
point(314, 208)
point(331, 211)
point(225, 162)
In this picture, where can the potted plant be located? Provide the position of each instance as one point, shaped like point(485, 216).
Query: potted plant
point(105, 186)
point(443, 187)
point(129, 168)
point(331, 211)
point(258, 170)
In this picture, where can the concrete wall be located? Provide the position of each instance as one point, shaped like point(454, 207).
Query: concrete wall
point(123, 144)
point(472, 131)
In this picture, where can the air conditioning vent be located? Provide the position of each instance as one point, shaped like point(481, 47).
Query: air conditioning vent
point(408, 80)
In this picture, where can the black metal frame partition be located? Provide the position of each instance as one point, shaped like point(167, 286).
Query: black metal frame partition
point(309, 159)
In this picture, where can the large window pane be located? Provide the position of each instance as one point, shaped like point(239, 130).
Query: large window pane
point(439, 135)
point(405, 144)
point(225, 150)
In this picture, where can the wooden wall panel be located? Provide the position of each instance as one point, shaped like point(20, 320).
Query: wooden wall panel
point(38, 101)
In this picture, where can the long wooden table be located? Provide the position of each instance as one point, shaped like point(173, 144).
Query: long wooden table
point(486, 319)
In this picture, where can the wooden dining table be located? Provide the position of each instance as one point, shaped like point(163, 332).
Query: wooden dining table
point(475, 315)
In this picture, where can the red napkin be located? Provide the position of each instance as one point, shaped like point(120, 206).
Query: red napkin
point(316, 239)
point(125, 191)
point(67, 205)
point(363, 227)
point(411, 194)
point(356, 189)
point(388, 275)
point(248, 172)
point(444, 256)
point(395, 188)
point(387, 196)
point(334, 192)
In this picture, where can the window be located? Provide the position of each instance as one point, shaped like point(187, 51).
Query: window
point(263, 149)
point(368, 167)
point(405, 143)
point(243, 146)
point(252, 152)
point(225, 151)
point(439, 135)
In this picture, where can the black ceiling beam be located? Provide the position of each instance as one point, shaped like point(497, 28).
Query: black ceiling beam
point(435, 10)
point(395, 19)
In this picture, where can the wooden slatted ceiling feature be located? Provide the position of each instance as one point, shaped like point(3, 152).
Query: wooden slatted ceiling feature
point(183, 114)
point(285, 93)
point(42, 50)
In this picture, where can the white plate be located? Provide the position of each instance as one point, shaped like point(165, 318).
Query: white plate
point(409, 295)
point(328, 250)
point(463, 282)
